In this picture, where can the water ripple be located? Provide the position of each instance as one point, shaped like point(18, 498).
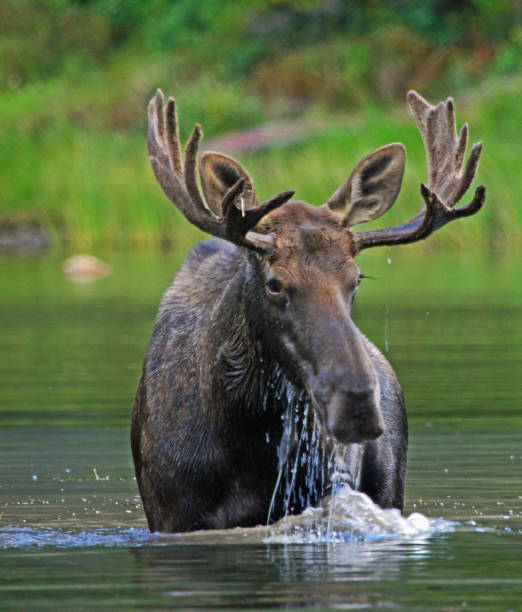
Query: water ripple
point(30, 537)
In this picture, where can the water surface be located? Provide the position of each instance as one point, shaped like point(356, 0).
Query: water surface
point(72, 531)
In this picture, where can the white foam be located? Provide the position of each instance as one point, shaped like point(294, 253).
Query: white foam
point(352, 516)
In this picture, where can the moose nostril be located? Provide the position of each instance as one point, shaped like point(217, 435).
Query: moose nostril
point(376, 432)
point(354, 416)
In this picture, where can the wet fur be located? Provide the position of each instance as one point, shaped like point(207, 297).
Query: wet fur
point(212, 394)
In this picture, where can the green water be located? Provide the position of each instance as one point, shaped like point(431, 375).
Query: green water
point(72, 531)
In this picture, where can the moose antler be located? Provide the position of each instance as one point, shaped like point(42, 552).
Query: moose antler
point(446, 181)
point(178, 181)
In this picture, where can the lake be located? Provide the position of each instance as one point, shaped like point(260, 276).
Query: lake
point(72, 531)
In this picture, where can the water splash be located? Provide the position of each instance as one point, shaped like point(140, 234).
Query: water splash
point(351, 516)
point(310, 466)
point(32, 537)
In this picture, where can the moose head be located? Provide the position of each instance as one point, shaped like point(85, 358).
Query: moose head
point(302, 258)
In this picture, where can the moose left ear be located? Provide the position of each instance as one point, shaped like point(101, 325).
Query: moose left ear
point(218, 174)
point(372, 187)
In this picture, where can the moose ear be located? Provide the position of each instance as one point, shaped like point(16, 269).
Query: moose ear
point(218, 174)
point(372, 187)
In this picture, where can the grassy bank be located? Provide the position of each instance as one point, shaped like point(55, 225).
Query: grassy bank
point(73, 98)
point(95, 188)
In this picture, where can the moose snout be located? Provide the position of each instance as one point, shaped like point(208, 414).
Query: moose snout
point(354, 415)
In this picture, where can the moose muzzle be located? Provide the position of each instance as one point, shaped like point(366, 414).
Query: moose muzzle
point(354, 416)
point(345, 388)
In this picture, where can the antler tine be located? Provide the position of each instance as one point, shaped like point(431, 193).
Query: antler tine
point(256, 214)
point(450, 117)
point(179, 183)
point(469, 172)
point(173, 136)
point(445, 152)
point(191, 150)
point(463, 145)
point(159, 121)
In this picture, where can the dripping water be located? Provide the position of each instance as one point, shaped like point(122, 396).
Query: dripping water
point(302, 463)
point(346, 462)
point(306, 456)
point(316, 507)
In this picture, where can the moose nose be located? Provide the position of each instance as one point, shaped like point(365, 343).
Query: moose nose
point(354, 416)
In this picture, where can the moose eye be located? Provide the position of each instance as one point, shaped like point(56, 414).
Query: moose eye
point(273, 287)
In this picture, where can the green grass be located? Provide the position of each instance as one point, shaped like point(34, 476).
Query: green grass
point(75, 79)
point(88, 179)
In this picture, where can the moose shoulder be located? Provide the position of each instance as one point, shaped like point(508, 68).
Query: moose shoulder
point(257, 384)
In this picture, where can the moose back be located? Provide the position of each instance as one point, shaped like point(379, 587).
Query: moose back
point(257, 384)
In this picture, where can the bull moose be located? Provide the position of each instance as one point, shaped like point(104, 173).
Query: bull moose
point(257, 384)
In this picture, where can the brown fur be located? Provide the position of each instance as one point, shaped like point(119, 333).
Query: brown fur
point(199, 434)
point(255, 337)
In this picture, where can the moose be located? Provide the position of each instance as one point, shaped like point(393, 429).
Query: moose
point(257, 385)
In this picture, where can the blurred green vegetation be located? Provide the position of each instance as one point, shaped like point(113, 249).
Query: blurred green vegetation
point(76, 75)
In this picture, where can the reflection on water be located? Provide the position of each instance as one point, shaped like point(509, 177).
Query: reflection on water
point(72, 528)
point(449, 572)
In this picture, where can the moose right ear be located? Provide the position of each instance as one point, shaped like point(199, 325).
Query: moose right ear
point(372, 187)
point(218, 174)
